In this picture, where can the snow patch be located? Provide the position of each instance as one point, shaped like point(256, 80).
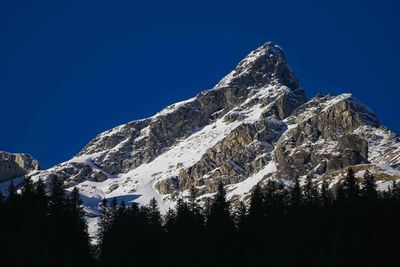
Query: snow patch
point(245, 186)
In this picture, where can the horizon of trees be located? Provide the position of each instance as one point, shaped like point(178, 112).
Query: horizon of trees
point(309, 225)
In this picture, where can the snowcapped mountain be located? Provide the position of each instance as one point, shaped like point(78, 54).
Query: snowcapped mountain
point(255, 124)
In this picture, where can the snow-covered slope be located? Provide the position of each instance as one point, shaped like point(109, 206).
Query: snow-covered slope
point(255, 124)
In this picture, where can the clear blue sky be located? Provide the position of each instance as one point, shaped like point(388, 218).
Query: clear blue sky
point(72, 69)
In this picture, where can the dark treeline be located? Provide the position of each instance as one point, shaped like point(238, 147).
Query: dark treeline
point(43, 227)
point(308, 225)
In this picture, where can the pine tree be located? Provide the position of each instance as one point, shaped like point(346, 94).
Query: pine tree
point(57, 199)
point(156, 233)
point(369, 186)
point(220, 200)
point(40, 187)
point(169, 220)
point(184, 233)
point(253, 231)
point(220, 229)
point(194, 207)
point(78, 233)
point(242, 237)
point(59, 223)
point(256, 210)
point(122, 206)
point(350, 185)
point(340, 194)
point(154, 214)
point(42, 199)
point(240, 215)
point(113, 209)
point(27, 187)
point(104, 221)
point(181, 207)
point(76, 205)
point(295, 194)
point(207, 206)
point(272, 200)
point(122, 210)
point(326, 194)
point(395, 191)
point(310, 191)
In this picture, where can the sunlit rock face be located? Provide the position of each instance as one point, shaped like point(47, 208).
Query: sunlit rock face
point(16, 165)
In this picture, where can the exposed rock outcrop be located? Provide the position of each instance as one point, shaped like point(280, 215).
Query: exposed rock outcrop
point(321, 138)
point(16, 165)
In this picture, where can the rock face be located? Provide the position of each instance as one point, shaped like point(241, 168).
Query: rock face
point(321, 137)
point(16, 165)
point(255, 124)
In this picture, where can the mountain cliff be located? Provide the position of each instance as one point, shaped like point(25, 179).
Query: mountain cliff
point(13, 165)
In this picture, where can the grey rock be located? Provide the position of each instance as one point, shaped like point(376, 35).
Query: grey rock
point(303, 150)
point(16, 165)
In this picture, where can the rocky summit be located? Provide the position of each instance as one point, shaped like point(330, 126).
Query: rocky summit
point(256, 124)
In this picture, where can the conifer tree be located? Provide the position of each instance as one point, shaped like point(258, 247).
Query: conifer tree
point(350, 185)
point(326, 194)
point(253, 230)
point(271, 199)
point(155, 215)
point(169, 220)
point(256, 210)
point(340, 194)
point(369, 186)
point(40, 187)
point(220, 229)
point(310, 191)
point(113, 208)
point(104, 221)
point(27, 187)
point(180, 235)
point(78, 234)
point(77, 212)
point(240, 215)
point(57, 199)
point(194, 207)
point(295, 194)
point(155, 231)
point(42, 199)
point(395, 191)
point(219, 202)
point(122, 207)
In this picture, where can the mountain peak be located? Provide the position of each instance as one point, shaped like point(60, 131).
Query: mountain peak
point(265, 65)
point(254, 126)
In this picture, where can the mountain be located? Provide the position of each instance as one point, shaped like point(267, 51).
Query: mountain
point(16, 165)
point(255, 124)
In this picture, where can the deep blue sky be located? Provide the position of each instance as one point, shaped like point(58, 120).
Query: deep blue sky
point(72, 69)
